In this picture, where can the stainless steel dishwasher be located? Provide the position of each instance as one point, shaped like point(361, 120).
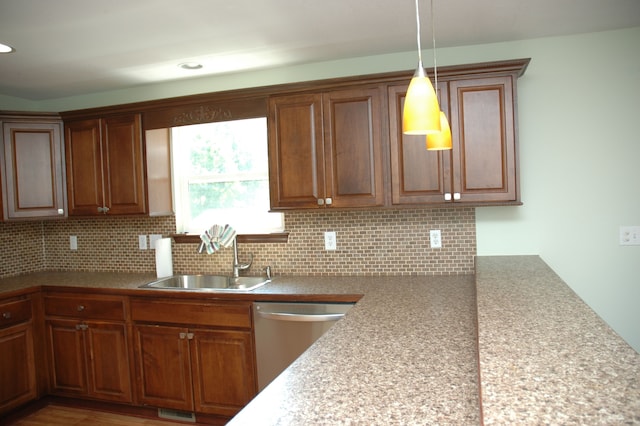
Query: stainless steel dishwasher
point(283, 331)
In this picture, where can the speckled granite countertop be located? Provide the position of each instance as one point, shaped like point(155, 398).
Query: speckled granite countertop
point(407, 353)
point(545, 356)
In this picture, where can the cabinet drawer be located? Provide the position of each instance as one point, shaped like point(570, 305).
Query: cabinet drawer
point(221, 314)
point(14, 312)
point(85, 306)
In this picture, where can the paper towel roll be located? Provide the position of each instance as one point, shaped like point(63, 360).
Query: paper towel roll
point(164, 260)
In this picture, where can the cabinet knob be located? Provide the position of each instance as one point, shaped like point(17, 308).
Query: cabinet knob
point(190, 336)
point(447, 196)
point(81, 326)
point(60, 211)
point(328, 201)
point(321, 201)
point(456, 195)
point(80, 308)
point(183, 335)
point(6, 315)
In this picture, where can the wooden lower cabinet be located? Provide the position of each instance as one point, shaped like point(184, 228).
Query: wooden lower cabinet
point(209, 370)
point(18, 381)
point(17, 367)
point(89, 358)
point(88, 347)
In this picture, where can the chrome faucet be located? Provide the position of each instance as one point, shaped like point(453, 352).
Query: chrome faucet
point(237, 266)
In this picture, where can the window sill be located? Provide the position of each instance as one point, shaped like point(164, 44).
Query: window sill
point(280, 237)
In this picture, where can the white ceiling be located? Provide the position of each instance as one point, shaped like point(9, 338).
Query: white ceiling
point(72, 47)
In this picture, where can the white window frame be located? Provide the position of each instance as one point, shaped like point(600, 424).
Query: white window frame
point(180, 181)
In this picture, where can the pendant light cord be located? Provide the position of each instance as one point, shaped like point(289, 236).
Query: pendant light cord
point(433, 37)
point(418, 34)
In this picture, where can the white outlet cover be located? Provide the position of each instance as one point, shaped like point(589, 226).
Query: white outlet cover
point(435, 238)
point(330, 242)
point(630, 235)
point(73, 242)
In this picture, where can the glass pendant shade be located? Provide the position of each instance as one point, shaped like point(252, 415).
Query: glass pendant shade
point(420, 115)
point(442, 139)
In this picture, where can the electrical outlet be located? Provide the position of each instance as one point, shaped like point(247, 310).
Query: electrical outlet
point(630, 235)
point(330, 240)
point(435, 238)
point(142, 242)
point(73, 242)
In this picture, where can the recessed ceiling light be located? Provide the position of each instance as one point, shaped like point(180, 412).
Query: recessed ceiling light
point(190, 66)
point(5, 48)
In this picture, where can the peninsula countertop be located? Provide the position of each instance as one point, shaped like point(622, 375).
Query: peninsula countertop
point(511, 345)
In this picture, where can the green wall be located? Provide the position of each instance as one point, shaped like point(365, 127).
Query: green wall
point(579, 108)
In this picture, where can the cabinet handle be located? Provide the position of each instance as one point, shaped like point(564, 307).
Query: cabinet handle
point(328, 201)
point(6, 315)
point(447, 196)
point(81, 326)
point(80, 308)
point(190, 336)
point(183, 336)
point(456, 195)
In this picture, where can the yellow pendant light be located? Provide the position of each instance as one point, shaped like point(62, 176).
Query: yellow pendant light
point(442, 139)
point(421, 113)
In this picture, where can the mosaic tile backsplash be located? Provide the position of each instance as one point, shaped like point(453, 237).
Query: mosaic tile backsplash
point(369, 242)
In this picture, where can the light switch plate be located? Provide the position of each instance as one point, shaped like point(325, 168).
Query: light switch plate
point(435, 238)
point(330, 240)
point(153, 238)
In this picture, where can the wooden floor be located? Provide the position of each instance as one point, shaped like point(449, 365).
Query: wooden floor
point(56, 415)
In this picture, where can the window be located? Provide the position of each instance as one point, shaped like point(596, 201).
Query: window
point(221, 176)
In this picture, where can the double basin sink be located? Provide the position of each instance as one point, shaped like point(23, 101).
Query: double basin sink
point(213, 283)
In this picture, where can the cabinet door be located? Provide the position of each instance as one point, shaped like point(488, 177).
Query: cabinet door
point(123, 164)
point(68, 365)
point(418, 176)
point(33, 170)
point(109, 372)
point(353, 148)
point(17, 368)
point(223, 368)
point(163, 367)
point(84, 167)
point(483, 136)
point(296, 165)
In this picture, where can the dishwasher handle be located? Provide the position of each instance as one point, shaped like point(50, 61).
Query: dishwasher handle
point(287, 316)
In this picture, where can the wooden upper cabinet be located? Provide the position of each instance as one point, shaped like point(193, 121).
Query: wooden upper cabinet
point(32, 168)
point(353, 148)
point(418, 176)
point(123, 165)
point(325, 149)
point(481, 166)
point(105, 166)
point(296, 154)
point(483, 135)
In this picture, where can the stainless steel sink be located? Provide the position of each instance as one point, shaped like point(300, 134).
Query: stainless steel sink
point(208, 283)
